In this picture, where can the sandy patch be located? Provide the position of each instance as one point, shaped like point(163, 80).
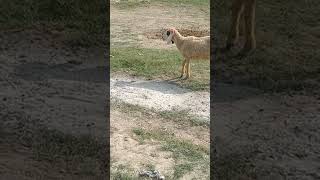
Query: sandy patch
point(160, 95)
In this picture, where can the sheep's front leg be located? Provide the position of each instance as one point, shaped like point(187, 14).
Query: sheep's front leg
point(183, 68)
point(233, 36)
point(249, 16)
point(188, 69)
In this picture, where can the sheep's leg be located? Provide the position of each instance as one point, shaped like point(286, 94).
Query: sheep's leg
point(183, 68)
point(188, 69)
point(249, 16)
point(236, 11)
point(242, 25)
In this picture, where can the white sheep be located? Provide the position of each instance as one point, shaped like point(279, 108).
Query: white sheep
point(190, 47)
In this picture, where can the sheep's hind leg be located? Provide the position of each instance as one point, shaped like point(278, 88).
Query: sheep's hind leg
point(237, 10)
point(249, 15)
point(188, 69)
point(183, 68)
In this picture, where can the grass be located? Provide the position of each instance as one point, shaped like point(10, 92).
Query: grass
point(122, 172)
point(157, 63)
point(81, 19)
point(186, 154)
point(179, 117)
point(139, 3)
point(119, 175)
point(286, 57)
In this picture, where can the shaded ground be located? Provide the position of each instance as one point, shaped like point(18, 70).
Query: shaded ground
point(287, 52)
point(270, 135)
point(266, 136)
point(51, 108)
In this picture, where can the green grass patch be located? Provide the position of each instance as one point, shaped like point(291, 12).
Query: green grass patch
point(150, 167)
point(87, 18)
point(123, 176)
point(125, 172)
point(179, 117)
point(182, 149)
point(181, 169)
point(157, 63)
point(186, 154)
point(145, 62)
point(122, 172)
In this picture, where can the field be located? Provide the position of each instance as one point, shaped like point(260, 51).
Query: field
point(155, 122)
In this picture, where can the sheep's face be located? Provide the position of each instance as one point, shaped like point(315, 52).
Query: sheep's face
point(167, 36)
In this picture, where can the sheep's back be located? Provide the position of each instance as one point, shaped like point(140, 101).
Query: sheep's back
point(196, 47)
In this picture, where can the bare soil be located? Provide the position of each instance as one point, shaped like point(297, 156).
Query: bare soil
point(272, 135)
point(42, 78)
point(142, 26)
point(184, 32)
point(267, 135)
point(126, 150)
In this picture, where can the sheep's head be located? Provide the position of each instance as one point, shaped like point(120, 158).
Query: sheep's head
point(167, 35)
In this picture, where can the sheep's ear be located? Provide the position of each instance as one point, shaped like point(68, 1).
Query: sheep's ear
point(169, 38)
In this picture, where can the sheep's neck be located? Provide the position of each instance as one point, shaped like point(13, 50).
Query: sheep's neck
point(178, 39)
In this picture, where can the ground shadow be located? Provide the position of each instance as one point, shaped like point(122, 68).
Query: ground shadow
point(223, 92)
point(160, 86)
point(41, 71)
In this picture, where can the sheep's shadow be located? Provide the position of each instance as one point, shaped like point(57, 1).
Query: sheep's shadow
point(221, 92)
point(161, 86)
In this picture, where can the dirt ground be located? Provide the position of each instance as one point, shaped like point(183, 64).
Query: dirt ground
point(41, 80)
point(268, 135)
point(270, 132)
point(257, 135)
point(142, 25)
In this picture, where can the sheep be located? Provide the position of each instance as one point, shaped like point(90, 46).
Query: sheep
point(243, 14)
point(190, 47)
